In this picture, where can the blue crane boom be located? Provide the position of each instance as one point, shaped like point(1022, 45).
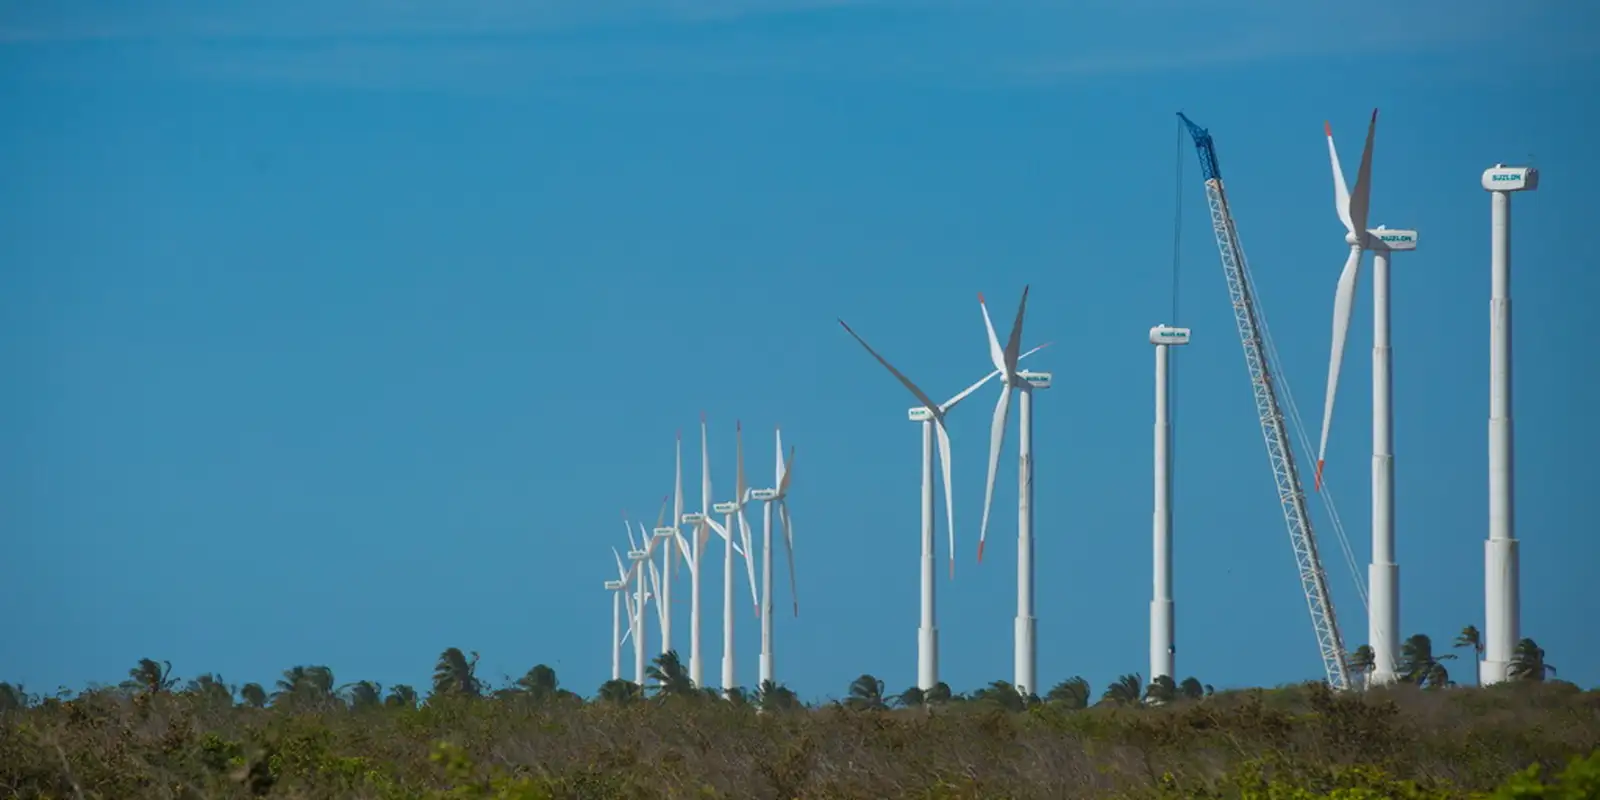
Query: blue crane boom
point(1292, 499)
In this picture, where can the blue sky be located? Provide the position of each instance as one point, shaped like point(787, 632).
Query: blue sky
point(342, 332)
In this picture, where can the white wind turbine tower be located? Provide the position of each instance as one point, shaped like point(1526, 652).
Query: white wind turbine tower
point(770, 498)
point(931, 416)
point(1502, 593)
point(1383, 574)
point(703, 526)
point(1025, 654)
point(1163, 642)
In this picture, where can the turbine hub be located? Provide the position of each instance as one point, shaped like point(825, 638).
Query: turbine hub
point(1351, 239)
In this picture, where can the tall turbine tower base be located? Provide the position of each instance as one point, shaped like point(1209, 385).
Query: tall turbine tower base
point(1025, 628)
point(766, 668)
point(928, 662)
point(1383, 620)
point(1161, 650)
point(1503, 608)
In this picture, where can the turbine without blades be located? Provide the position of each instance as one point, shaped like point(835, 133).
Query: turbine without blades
point(1352, 207)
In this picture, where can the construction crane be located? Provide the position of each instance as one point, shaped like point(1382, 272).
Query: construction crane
point(1241, 290)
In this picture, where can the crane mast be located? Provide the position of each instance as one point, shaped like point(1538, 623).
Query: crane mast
point(1291, 497)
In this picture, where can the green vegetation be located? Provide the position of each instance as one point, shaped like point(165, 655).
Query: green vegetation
point(311, 737)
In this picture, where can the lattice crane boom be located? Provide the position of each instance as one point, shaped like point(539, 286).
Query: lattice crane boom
point(1292, 499)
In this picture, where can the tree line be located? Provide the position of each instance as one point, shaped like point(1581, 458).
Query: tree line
point(313, 687)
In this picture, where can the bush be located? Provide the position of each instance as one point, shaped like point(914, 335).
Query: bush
point(1283, 744)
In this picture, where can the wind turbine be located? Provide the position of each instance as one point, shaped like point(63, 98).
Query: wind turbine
point(638, 555)
point(1163, 643)
point(770, 499)
point(1502, 592)
point(619, 600)
point(931, 416)
point(730, 510)
point(1025, 653)
point(1383, 574)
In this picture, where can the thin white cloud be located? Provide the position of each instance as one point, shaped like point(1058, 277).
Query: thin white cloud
point(505, 45)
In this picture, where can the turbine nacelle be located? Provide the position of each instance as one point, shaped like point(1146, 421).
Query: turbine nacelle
point(694, 518)
point(1036, 380)
point(664, 533)
point(1169, 336)
point(919, 414)
point(725, 508)
point(637, 555)
point(1501, 178)
point(614, 585)
point(763, 494)
point(1381, 238)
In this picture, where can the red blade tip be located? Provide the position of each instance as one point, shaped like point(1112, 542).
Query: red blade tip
point(1327, 128)
point(980, 298)
point(980, 551)
point(1319, 475)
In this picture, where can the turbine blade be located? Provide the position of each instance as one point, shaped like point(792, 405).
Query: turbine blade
point(1362, 193)
point(918, 393)
point(705, 469)
point(777, 457)
point(785, 470)
point(1343, 302)
point(949, 501)
point(632, 545)
point(738, 449)
point(622, 572)
point(1341, 194)
point(749, 561)
point(683, 549)
point(997, 431)
point(677, 499)
point(996, 355)
point(661, 518)
point(1014, 344)
point(788, 551)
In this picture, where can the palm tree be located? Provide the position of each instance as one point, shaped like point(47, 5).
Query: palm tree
point(1362, 661)
point(1002, 694)
point(1072, 693)
point(618, 691)
point(253, 695)
point(305, 685)
point(455, 674)
point(1438, 677)
point(939, 695)
point(1192, 689)
point(866, 694)
point(401, 696)
point(1470, 637)
point(1124, 691)
point(1527, 662)
point(671, 679)
point(1161, 689)
point(911, 698)
point(776, 697)
point(363, 694)
point(1418, 662)
point(150, 677)
point(14, 697)
point(738, 696)
point(211, 688)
